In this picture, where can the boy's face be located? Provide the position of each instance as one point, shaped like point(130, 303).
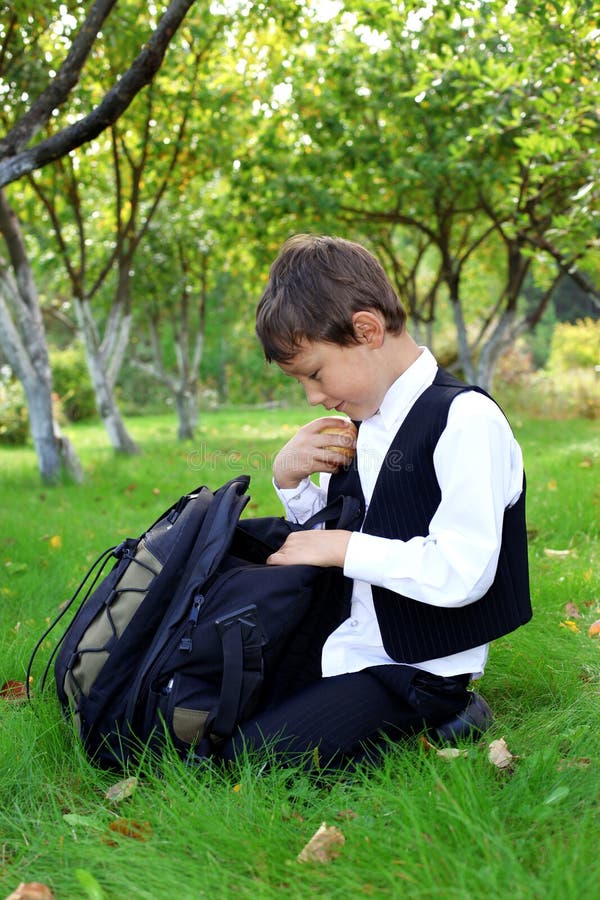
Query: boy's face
point(339, 378)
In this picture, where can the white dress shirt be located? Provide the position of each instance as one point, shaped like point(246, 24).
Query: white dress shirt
point(479, 468)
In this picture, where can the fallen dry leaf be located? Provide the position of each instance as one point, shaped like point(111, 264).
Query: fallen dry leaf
point(450, 753)
point(16, 691)
point(426, 744)
point(139, 831)
point(586, 463)
point(556, 554)
point(31, 890)
point(594, 628)
point(121, 789)
point(572, 610)
point(55, 541)
point(447, 753)
point(499, 754)
point(324, 845)
point(571, 625)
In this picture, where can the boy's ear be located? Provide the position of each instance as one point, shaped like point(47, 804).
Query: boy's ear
point(369, 328)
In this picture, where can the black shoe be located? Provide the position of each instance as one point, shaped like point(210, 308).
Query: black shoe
point(472, 721)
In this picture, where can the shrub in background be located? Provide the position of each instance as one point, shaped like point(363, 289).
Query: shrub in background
point(140, 394)
point(72, 384)
point(574, 346)
point(259, 383)
point(567, 387)
point(14, 418)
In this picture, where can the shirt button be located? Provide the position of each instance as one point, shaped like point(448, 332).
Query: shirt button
point(353, 623)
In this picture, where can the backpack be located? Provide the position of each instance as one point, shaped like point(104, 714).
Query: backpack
point(181, 639)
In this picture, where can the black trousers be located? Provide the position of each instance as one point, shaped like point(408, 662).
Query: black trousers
point(339, 721)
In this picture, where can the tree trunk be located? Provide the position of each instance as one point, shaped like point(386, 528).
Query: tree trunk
point(119, 437)
point(39, 405)
point(502, 336)
point(23, 341)
point(55, 452)
point(464, 353)
point(187, 412)
point(422, 332)
point(182, 381)
point(506, 328)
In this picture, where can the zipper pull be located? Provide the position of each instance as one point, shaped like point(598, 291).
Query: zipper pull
point(186, 641)
point(196, 607)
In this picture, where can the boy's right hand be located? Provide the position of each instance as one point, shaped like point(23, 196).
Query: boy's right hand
point(314, 450)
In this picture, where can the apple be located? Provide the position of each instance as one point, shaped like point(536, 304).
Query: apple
point(348, 452)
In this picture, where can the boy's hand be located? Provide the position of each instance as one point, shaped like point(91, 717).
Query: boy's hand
point(311, 450)
point(313, 548)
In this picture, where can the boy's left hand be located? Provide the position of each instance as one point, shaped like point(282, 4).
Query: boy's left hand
point(313, 548)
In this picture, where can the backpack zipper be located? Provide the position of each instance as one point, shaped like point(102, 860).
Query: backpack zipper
point(185, 643)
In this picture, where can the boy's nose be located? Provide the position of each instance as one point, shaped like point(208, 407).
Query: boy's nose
point(314, 396)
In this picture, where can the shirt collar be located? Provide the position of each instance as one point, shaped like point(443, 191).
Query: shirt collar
point(401, 395)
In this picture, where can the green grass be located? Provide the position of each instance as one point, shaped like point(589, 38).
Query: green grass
point(417, 827)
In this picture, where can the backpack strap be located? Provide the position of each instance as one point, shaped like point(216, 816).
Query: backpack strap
point(242, 640)
point(343, 512)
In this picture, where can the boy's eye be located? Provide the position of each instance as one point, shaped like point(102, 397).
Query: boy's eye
point(314, 375)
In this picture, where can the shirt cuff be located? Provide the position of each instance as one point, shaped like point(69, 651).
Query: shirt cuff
point(301, 502)
point(367, 558)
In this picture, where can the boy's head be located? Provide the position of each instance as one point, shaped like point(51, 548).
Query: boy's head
point(316, 285)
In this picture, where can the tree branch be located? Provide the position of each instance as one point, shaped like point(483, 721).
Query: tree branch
point(10, 230)
point(61, 85)
point(568, 267)
point(116, 101)
point(395, 218)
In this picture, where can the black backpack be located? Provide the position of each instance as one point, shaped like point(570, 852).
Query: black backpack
point(182, 638)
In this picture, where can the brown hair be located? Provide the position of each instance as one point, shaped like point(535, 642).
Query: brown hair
point(315, 286)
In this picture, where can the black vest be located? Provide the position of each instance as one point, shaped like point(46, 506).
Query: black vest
point(404, 501)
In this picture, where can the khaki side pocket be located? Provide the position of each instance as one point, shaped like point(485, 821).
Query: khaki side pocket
point(188, 724)
point(111, 621)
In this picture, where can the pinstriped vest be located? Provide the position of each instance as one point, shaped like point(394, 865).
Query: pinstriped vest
point(404, 501)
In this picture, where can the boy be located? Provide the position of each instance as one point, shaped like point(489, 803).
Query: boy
point(436, 567)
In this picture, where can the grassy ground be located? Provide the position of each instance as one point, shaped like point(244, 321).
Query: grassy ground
point(421, 826)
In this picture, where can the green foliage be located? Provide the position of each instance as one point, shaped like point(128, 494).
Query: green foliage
point(72, 385)
point(417, 827)
point(14, 418)
point(138, 394)
point(538, 341)
point(250, 379)
point(575, 346)
point(14, 422)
